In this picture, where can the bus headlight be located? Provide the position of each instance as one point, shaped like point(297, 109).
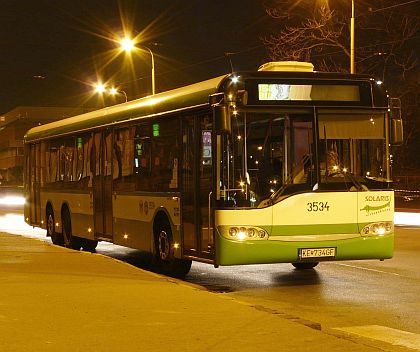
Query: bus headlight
point(378, 229)
point(243, 233)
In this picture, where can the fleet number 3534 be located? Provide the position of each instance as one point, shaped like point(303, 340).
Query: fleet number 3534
point(317, 206)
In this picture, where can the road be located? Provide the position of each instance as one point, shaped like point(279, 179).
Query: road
point(356, 296)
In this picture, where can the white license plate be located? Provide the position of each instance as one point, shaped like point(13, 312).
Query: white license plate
point(307, 253)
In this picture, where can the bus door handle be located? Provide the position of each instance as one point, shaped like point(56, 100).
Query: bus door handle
point(209, 213)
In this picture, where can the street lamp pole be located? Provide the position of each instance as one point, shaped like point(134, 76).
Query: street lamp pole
point(352, 65)
point(128, 45)
point(153, 67)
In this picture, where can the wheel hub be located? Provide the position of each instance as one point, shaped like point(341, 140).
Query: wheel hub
point(163, 244)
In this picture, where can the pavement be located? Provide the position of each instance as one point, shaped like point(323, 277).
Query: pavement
point(57, 299)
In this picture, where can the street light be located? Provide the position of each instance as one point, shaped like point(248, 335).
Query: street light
point(101, 88)
point(114, 91)
point(352, 66)
point(128, 46)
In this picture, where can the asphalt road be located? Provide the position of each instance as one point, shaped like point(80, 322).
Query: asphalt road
point(334, 295)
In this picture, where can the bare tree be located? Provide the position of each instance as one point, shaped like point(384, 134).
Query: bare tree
point(386, 44)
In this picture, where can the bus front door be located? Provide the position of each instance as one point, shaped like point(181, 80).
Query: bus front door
point(197, 187)
point(102, 185)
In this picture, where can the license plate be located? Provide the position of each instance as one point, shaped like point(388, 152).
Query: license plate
point(308, 253)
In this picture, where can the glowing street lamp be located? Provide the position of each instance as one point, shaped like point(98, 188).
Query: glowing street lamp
point(114, 91)
point(128, 45)
point(100, 88)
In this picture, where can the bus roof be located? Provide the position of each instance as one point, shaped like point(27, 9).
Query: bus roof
point(190, 96)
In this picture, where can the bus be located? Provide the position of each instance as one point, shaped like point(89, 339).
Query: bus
point(280, 165)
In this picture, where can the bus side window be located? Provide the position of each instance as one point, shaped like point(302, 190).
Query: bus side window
point(52, 164)
point(81, 161)
point(165, 155)
point(141, 160)
point(122, 154)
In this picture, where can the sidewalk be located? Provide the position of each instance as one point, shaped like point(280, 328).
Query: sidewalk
point(55, 299)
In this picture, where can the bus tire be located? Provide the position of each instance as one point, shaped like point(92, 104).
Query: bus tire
point(70, 241)
point(305, 265)
point(56, 238)
point(164, 253)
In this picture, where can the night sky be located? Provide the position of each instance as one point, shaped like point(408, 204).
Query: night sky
point(52, 51)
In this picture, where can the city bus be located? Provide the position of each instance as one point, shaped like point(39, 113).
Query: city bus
point(280, 165)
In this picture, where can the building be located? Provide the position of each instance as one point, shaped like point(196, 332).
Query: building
point(13, 126)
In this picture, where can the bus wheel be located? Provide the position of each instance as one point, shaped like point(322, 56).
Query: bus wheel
point(305, 265)
point(56, 238)
point(164, 254)
point(70, 241)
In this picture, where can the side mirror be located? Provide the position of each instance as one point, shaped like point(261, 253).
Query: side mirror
point(397, 137)
point(222, 119)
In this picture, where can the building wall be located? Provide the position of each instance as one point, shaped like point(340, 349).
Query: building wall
point(13, 126)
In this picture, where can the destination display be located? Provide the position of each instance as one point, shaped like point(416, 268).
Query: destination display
point(308, 92)
point(305, 92)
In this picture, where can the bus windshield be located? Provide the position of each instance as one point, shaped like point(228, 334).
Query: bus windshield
point(268, 156)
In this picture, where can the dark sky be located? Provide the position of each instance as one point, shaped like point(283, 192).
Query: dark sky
point(51, 50)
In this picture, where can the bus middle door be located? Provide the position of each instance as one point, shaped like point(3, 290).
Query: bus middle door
point(102, 185)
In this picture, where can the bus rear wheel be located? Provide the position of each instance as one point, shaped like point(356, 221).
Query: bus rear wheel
point(56, 238)
point(70, 241)
point(164, 254)
point(305, 265)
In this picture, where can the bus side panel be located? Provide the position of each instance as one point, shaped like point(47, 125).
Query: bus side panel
point(80, 206)
point(134, 215)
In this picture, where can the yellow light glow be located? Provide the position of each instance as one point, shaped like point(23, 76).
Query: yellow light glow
point(239, 137)
point(100, 88)
point(259, 147)
point(235, 112)
point(89, 230)
point(345, 169)
point(125, 236)
point(113, 91)
point(42, 222)
point(242, 183)
point(335, 167)
point(176, 245)
point(241, 235)
point(56, 224)
point(127, 44)
point(381, 231)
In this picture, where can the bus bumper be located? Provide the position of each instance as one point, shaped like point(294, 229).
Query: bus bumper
point(229, 252)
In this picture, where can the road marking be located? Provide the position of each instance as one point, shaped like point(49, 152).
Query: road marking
point(385, 334)
point(362, 268)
